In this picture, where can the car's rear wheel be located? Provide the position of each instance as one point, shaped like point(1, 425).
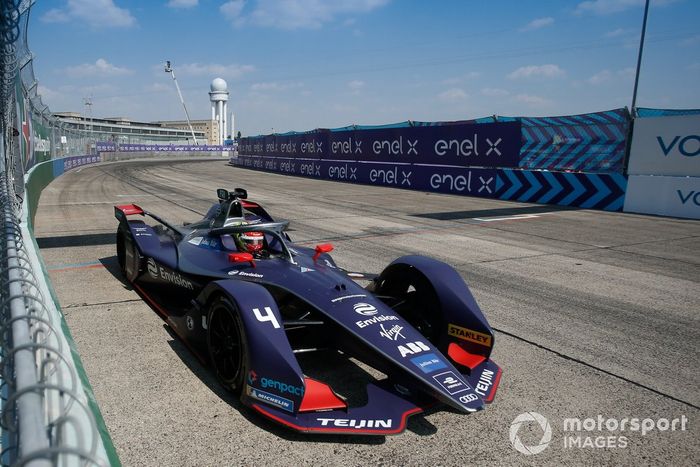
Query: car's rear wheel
point(412, 296)
point(121, 249)
point(227, 344)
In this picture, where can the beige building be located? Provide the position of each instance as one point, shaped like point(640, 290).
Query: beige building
point(124, 130)
point(210, 128)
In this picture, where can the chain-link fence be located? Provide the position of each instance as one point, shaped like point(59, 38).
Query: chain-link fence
point(48, 415)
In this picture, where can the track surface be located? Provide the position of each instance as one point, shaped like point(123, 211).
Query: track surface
point(595, 312)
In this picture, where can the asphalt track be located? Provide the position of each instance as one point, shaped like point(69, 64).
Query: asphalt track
point(595, 313)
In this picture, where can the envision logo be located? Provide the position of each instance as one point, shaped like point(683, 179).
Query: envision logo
point(365, 309)
point(526, 418)
point(688, 146)
point(152, 268)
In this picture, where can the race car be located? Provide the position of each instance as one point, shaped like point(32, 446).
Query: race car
point(252, 304)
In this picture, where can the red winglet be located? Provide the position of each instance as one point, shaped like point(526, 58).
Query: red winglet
point(249, 204)
point(323, 248)
point(319, 396)
point(129, 209)
point(461, 356)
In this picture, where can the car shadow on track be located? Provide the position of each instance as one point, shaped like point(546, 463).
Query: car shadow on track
point(111, 264)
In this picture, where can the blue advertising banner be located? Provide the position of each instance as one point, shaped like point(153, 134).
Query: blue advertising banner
point(455, 180)
point(592, 142)
point(591, 191)
point(459, 145)
point(462, 145)
point(105, 146)
point(60, 166)
point(113, 147)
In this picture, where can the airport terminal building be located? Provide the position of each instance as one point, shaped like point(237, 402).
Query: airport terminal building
point(123, 130)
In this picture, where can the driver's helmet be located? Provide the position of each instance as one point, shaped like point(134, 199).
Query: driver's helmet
point(252, 241)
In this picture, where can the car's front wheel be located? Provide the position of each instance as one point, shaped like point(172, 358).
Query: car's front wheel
point(412, 296)
point(227, 344)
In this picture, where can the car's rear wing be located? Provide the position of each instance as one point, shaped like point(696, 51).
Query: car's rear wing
point(124, 210)
point(127, 210)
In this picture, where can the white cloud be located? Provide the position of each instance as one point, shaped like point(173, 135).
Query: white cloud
point(183, 3)
point(533, 101)
point(690, 41)
point(453, 94)
point(605, 76)
point(295, 14)
point(600, 77)
point(356, 86)
point(272, 86)
point(47, 94)
point(98, 89)
point(494, 92)
point(618, 32)
point(547, 71)
point(607, 7)
point(460, 79)
point(94, 13)
point(159, 87)
point(214, 69)
point(538, 23)
point(232, 10)
point(626, 72)
point(100, 68)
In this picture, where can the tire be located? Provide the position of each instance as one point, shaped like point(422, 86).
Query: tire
point(415, 300)
point(121, 249)
point(227, 345)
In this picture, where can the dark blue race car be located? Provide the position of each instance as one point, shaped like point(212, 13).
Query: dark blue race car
point(253, 304)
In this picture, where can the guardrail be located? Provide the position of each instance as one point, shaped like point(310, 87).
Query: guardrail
point(48, 411)
point(48, 415)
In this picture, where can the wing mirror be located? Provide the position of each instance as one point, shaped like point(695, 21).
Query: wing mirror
point(222, 194)
point(241, 258)
point(323, 248)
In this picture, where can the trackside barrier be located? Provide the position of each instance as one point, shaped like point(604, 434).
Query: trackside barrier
point(47, 412)
point(65, 427)
point(106, 146)
point(590, 143)
point(594, 191)
point(665, 196)
point(664, 165)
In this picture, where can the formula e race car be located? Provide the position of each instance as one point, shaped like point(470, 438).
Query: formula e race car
point(251, 303)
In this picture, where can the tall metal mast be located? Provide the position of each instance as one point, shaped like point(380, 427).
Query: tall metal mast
point(169, 69)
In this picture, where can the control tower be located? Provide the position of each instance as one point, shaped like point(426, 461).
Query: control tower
point(219, 105)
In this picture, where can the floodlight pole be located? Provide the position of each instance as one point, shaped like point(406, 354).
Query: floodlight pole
point(169, 69)
point(639, 58)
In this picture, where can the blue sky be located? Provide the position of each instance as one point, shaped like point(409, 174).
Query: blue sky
point(304, 64)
